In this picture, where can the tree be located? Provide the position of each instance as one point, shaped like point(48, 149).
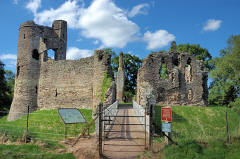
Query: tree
point(225, 88)
point(6, 88)
point(131, 64)
point(197, 51)
point(10, 78)
point(3, 87)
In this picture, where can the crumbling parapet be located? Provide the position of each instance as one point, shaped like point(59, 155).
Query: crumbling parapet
point(120, 79)
point(182, 80)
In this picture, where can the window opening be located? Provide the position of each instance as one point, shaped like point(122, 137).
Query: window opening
point(189, 61)
point(18, 71)
point(51, 54)
point(163, 71)
point(35, 54)
point(56, 93)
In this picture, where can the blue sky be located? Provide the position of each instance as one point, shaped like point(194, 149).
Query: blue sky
point(132, 26)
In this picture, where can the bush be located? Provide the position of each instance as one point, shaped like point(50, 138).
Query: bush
point(235, 105)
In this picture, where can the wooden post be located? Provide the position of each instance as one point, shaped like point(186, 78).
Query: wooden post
point(145, 128)
point(227, 133)
point(27, 119)
point(150, 126)
point(65, 129)
point(100, 130)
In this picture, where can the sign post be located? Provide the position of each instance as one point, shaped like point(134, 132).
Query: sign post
point(167, 121)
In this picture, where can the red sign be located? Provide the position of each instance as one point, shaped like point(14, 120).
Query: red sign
point(166, 114)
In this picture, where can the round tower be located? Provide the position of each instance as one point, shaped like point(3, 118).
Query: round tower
point(28, 70)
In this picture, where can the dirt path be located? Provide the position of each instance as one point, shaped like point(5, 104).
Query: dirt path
point(125, 141)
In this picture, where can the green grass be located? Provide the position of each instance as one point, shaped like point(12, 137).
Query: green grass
point(45, 126)
point(106, 83)
point(201, 132)
point(29, 151)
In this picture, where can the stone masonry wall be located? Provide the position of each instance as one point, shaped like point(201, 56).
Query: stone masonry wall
point(185, 82)
point(66, 83)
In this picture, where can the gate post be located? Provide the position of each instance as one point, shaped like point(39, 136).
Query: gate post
point(100, 129)
point(150, 126)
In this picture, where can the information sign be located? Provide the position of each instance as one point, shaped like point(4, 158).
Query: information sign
point(166, 114)
point(167, 127)
point(71, 115)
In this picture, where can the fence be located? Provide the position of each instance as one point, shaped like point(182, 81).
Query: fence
point(140, 111)
point(43, 125)
point(201, 124)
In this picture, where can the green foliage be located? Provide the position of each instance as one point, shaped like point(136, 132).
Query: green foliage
point(163, 71)
point(45, 126)
point(107, 81)
point(197, 51)
point(110, 51)
point(200, 133)
point(6, 88)
point(196, 150)
point(131, 64)
point(3, 86)
point(225, 87)
point(235, 105)
point(29, 151)
point(10, 78)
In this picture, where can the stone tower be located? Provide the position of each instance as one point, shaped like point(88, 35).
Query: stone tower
point(33, 43)
point(120, 79)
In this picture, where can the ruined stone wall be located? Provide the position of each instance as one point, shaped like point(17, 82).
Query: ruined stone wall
point(120, 79)
point(66, 84)
point(185, 81)
point(45, 83)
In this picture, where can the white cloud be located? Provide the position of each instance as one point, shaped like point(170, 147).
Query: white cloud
point(69, 11)
point(139, 9)
point(212, 25)
point(8, 57)
point(102, 20)
point(33, 5)
point(74, 53)
point(9, 60)
point(158, 39)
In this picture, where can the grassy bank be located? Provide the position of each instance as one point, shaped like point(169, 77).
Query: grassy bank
point(201, 132)
point(29, 151)
point(45, 127)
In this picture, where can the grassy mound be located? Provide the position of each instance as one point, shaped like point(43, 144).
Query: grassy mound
point(201, 132)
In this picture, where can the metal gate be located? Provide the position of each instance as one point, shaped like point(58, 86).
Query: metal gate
point(123, 126)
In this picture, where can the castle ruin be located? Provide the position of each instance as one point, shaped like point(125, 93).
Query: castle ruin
point(43, 83)
point(120, 79)
point(172, 79)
